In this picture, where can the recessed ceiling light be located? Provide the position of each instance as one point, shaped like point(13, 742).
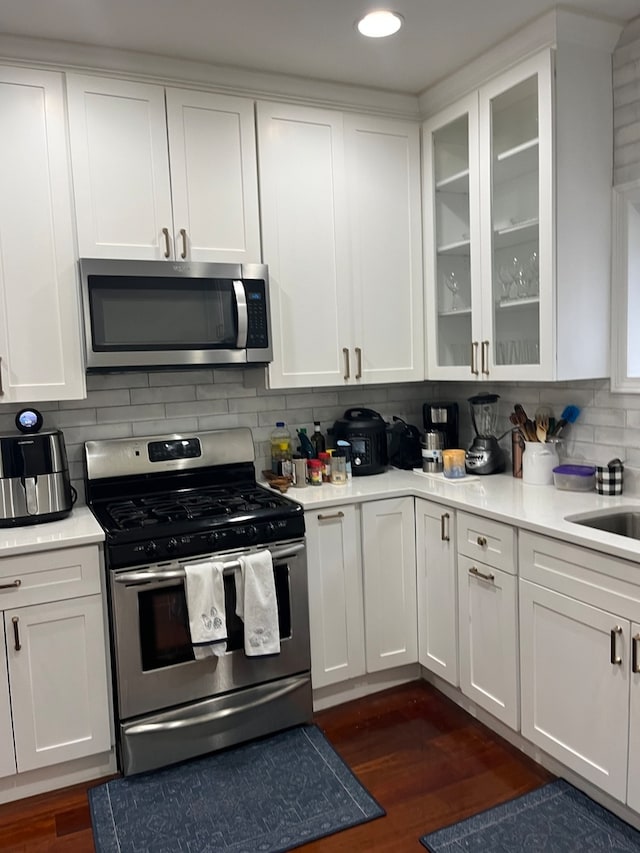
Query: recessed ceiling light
point(376, 25)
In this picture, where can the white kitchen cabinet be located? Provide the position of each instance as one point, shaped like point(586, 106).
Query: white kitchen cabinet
point(517, 241)
point(40, 333)
point(389, 565)
point(58, 679)
point(7, 753)
point(57, 676)
point(336, 616)
point(163, 173)
point(437, 589)
point(579, 613)
point(341, 234)
point(488, 616)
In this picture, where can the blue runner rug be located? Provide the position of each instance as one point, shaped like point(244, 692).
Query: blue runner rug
point(556, 818)
point(265, 796)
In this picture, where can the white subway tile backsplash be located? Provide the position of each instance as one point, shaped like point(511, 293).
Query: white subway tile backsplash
point(202, 376)
point(196, 408)
point(224, 392)
point(165, 394)
point(165, 426)
point(120, 414)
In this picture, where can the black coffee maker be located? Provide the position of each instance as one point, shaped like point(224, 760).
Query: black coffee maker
point(442, 417)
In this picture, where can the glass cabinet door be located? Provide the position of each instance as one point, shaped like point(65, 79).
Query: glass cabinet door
point(451, 239)
point(515, 186)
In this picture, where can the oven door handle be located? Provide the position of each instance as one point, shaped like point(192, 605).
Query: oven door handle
point(178, 573)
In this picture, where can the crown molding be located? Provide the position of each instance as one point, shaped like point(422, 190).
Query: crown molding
point(113, 62)
point(560, 26)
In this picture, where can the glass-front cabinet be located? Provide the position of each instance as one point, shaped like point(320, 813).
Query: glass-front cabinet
point(517, 219)
point(486, 246)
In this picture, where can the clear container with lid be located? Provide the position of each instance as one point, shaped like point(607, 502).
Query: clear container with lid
point(339, 468)
point(281, 453)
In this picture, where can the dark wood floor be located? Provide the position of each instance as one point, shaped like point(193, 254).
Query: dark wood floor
point(426, 761)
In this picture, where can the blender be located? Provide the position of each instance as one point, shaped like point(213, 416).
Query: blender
point(485, 456)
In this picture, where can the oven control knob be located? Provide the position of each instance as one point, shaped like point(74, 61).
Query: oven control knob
point(172, 544)
point(213, 538)
point(251, 531)
point(150, 549)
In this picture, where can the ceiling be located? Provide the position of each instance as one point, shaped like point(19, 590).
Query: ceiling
point(307, 38)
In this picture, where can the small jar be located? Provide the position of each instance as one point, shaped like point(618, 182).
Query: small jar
point(325, 458)
point(453, 464)
point(339, 468)
point(314, 468)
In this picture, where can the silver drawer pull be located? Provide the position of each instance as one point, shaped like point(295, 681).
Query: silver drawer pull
point(635, 666)
point(614, 657)
point(478, 574)
point(339, 514)
point(13, 585)
point(444, 527)
point(482, 542)
point(16, 634)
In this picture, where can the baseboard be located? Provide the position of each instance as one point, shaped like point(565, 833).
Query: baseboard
point(57, 776)
point(356, 688)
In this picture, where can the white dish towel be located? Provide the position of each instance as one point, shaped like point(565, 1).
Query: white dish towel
point(204, 589)
point(256, 604)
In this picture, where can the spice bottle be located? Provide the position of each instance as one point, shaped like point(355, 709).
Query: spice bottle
point(299, 471)
point(325, 458)
point(314, 467)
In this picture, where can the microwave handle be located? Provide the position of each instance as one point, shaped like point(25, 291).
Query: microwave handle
point(243, 317)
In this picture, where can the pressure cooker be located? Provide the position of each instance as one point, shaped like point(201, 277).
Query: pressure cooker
point(366, 432)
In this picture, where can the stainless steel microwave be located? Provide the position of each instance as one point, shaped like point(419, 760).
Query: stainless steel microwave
point(155, 314)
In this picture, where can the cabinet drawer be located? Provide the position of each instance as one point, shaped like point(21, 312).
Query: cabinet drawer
point(488, 541)
point(49, 576)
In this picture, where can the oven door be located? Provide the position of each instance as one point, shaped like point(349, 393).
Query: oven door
point(155, 667)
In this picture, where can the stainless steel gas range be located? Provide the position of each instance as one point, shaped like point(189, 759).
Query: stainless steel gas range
point(165, 502)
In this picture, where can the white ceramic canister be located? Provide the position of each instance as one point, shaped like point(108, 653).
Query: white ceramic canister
point(538, 461)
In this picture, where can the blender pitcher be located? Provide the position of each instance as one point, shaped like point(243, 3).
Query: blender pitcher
point(485, 456)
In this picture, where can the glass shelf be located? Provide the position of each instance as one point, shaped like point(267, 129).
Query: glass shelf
point(458, 183)
point(461, 247)
point(518, 232)
point(518, 303)
point(516, 162)
point(459, 312)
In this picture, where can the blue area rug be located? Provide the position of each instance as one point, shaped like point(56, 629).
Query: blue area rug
point(268, 795)
point(556, 818)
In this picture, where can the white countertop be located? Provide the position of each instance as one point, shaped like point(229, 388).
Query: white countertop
point(541, 509)
point(78, 528)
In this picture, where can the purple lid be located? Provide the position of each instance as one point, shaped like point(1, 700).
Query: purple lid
point(576, 470)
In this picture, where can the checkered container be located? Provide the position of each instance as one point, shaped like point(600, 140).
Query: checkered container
point(609, 478)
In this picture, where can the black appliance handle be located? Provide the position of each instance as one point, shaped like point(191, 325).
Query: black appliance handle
point(354, 414)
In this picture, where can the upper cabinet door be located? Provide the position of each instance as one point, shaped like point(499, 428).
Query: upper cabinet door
point(120, 168)
point(304, 232)
point(516, 133)
point(383, 180)
point(453, 284)
point(40, 352)
point(214, 180)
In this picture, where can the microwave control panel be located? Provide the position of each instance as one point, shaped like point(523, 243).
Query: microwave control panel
point(257, 331)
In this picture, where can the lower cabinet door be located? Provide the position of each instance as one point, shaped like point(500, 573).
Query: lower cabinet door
point(437, 589)
point(489, 639)
point(335, 595)
point(58, 678)
point(390, 602)
point(7, 754)
point(633, 789)
point(575, 693)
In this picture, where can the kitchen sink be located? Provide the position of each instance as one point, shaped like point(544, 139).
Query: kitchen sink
point(624, 522)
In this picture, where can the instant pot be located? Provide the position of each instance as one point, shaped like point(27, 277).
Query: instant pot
point(366, 432)
point(34, 478)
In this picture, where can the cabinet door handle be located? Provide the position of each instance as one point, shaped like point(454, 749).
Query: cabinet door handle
point(183, 234)
point(482, 542)
point(359, 363)
point(347, 369)
point(485, 358)
point(11, 585)
point(614, 657)
point(635, 667)
point(444, 527)
point(1, 388)
point(167, 243)
point(16, 634)
point(339, 514)
point(478, 574)
point(474, 358)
